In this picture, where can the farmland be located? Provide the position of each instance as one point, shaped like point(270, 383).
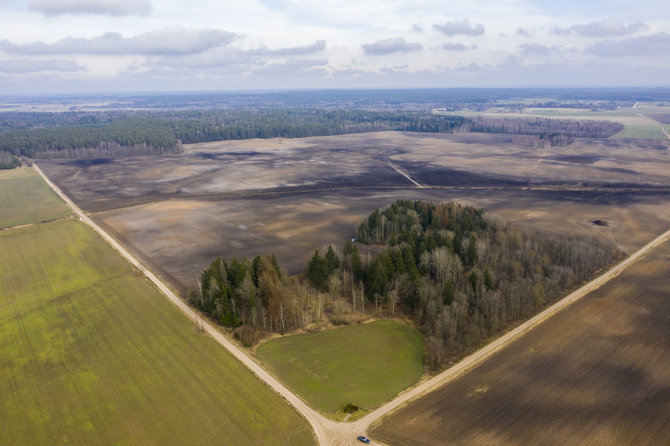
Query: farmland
point(596, 372)
point(291, 196)
point(641, 132)
point(91, 353)
point(640, 122)
point(364, 365)
point(24, 199)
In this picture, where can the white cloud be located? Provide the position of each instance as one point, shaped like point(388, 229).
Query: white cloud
point(392, 45)
point(315, 47)
point(458, 47)
point(460, 27)
point(173, 40)
point(105, 7)
point(603, 28)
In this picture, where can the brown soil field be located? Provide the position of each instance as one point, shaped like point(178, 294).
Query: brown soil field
point(596, 373)
point(180, 237)
point(236, 168)
point(291, 196)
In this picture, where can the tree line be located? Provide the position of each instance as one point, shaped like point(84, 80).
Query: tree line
point(558, 131)
point(126, 133)
point(458, 274)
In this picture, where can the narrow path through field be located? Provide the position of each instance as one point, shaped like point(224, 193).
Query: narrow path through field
point(329, 432)
point(27, 225)
point(405, 174)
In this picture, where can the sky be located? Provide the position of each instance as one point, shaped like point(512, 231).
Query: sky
point(94, 46)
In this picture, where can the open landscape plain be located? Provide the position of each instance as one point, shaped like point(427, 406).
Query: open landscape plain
point(291, 196)
point(334, 223)
point(178, 210)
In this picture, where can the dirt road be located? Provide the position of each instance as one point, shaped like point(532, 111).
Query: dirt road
point(471, 361)
point(329, 432)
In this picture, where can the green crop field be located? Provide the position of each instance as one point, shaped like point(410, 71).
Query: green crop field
point(576, 113)
point(25, 198)
point(91, 353)
point(640, 132)
point(364, 365)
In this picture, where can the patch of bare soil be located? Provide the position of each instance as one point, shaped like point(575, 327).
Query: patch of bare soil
point(596, 373)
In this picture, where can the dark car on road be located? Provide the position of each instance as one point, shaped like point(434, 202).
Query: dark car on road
point(363, 439)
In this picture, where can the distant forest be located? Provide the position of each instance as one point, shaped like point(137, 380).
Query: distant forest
point(102, 134)
point(459, 275)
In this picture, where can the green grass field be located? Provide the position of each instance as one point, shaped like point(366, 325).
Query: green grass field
point(364, 365)
point(25, 198)
point(640, 132)
point(91, 353)
point(576, 113)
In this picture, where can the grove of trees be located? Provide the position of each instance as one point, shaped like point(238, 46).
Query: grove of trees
point(459, 275)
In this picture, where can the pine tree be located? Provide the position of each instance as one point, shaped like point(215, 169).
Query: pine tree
point(332, 260)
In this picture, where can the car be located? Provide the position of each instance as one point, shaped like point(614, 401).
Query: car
point(363, 439)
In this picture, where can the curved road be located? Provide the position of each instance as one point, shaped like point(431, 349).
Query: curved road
point(329, 432)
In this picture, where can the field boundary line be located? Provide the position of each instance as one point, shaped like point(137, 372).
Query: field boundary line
point(406, 175)
point(43, 222)
point(485, 352)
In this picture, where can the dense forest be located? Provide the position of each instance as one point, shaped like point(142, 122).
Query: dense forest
point(458, 274)
point(126, 133)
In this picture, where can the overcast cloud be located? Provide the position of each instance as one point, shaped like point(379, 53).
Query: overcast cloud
point(33, 66)
point(133, 45)
point(105, 7)
point(653, 45)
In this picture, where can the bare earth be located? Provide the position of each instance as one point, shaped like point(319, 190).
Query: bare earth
point(597, 373)
point(291, 196)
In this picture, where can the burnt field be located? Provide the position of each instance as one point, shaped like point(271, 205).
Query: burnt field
point(238, 168)
point(180, 237)
point(596, 373)
point(291, 196)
